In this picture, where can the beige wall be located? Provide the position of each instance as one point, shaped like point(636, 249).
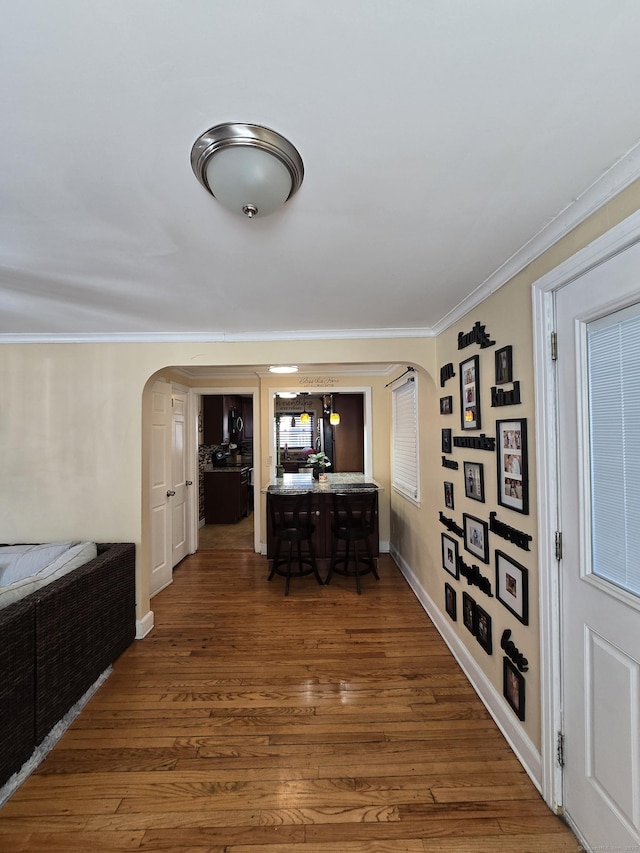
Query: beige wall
point(71, 431)
point(71, 435)
point(415, 532)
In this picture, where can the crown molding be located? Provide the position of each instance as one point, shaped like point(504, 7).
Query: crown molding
point(187, 337)
point(621, 175)
point(319, 372)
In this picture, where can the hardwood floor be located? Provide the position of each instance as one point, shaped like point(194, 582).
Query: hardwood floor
point(248, 722)
point(227, 537)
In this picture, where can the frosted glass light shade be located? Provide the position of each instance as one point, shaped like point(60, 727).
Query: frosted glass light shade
point(249, 169)
point(245, 178)
point(334, 418)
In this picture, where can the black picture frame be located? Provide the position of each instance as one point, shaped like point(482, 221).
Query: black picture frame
point(470, 393)
point(474, 481)
point(476, 536)
point(450, 555)
point(469, 613)
point(512, 464)
point(451, 602)
point(483, 629)
point(448, 495)
point(446, 405)
point(513, 688)
point(504, 365)
point(512, 586)
point(446, 441)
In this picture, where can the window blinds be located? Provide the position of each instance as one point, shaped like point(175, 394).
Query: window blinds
point(294, 434)
point(613, 351)
point(405, 438)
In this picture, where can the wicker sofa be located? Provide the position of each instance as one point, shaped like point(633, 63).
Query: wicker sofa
point(56, 642)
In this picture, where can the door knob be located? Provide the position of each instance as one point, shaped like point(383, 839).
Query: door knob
point(189, 483)
point(170, 493)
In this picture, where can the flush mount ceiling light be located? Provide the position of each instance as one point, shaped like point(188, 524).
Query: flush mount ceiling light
point(283, 368)
point(248, 168)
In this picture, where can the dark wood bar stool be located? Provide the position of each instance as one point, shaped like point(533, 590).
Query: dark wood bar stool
point(354, 520)
point(292, 522)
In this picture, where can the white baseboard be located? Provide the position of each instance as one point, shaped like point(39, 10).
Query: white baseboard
point(522, 745)
point(144, 625)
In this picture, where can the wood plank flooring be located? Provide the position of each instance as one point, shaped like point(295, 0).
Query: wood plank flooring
point(247, 722)
point(227, 537)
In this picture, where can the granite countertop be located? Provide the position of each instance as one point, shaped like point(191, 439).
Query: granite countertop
point(228, 466)
point(334, 483)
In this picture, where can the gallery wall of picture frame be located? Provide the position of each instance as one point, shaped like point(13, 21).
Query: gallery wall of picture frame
point(513, 687)
point(512, 464)
point(477, 621)
point(511, 584)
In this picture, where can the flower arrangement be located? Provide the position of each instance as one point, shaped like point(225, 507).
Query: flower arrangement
point(319, 460)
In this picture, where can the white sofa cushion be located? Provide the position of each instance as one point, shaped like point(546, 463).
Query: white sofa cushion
point(66, 562)
point(22, 561)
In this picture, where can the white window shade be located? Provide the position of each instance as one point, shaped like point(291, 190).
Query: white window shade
point(406, 475)
point(613, 346)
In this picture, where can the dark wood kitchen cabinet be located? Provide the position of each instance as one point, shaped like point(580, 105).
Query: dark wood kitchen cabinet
point(348, 436)
point(221, 414)
point(226, 496)
point(216, 419)
point(247, 417)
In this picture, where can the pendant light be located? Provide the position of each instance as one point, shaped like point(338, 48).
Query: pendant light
point(305, 417)
point(334, 417)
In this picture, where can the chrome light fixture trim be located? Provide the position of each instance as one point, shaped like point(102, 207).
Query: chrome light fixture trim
point(239, 135)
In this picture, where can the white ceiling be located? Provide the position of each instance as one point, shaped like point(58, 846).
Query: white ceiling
point(439, 138)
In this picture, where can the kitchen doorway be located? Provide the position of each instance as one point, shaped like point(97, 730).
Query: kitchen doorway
point(333, 424)
point(225, 467)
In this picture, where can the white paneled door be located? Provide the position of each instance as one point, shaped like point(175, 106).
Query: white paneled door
point(598, 329)
point(161, 481)
point(180, 483)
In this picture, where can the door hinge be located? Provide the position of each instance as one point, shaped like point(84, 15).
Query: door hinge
point(560, 749)
point(558, 545)
point(554, 346)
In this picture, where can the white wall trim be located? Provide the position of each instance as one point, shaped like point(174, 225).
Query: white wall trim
point(522, 745)
point(614, 241)
point(548, 523)
point(144, 625)
point(211, 337)
point(365, 390)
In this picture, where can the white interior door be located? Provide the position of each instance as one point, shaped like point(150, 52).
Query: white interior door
point(599, 473)
point(179, 500)
point(161, 484)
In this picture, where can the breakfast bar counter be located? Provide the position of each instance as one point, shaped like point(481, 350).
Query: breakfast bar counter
point(334, 482)
point(322, 504)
